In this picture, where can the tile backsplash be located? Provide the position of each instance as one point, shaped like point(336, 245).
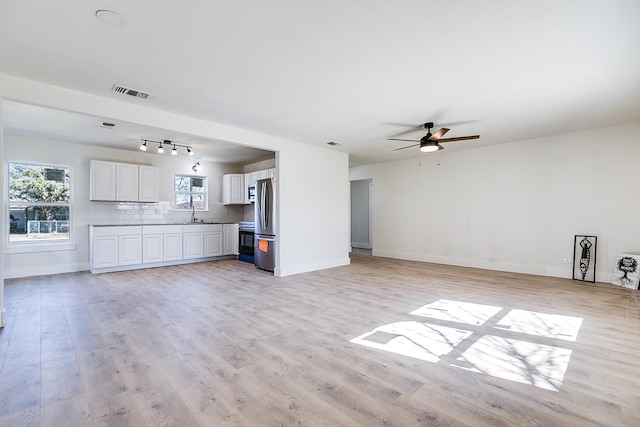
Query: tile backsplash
point(122, 213)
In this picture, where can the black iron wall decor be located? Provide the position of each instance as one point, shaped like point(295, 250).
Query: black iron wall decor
point(584, 257)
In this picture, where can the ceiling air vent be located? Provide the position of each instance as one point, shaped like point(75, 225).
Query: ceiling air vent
point(107, 125)
point(131, 92)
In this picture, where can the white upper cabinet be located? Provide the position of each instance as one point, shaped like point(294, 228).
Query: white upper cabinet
point(233, 189)
point(102, 180)
point(148, 189)
point(123, 182)
point(126, 182)
point(263, 174)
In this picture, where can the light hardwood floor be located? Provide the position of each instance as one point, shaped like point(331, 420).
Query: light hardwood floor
point(222, 343)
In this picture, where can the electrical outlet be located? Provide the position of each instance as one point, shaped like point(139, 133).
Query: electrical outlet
point(567, 258)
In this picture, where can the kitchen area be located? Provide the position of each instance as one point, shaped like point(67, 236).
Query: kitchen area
point(150, 240)
point(128, 211)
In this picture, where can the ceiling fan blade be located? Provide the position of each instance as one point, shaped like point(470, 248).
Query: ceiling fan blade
point(459, 138)
point(411, 126)
point(407, 140)
point(408, 146)
point(436, 136)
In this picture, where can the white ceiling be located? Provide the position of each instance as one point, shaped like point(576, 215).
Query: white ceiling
point(356, 72)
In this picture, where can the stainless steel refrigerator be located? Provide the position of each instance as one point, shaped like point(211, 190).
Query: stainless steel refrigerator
point(265, 234)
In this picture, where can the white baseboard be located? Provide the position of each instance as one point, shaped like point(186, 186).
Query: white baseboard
point(538, 270)
point(306, 268)
point(35, 270)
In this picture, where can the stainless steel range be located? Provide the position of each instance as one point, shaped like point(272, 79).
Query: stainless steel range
point(246, 241)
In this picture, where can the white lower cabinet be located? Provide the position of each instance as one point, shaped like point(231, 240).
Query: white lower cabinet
point(230, 238)
point(193, 245)
point(130, 250)
point(159, 243)
point(115, 248)
point(213, 243)
point(172, 246)
point(105, 251)
point(202, 240)
point(152, 248)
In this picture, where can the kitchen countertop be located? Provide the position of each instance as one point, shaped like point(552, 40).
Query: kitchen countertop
point(169, 223)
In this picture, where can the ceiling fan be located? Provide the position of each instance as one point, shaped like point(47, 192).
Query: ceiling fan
point(431, 142)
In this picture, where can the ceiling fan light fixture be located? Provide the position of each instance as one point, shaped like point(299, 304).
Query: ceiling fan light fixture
point(429, 146)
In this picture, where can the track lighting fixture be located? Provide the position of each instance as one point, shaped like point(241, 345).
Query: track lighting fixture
point(161, 144)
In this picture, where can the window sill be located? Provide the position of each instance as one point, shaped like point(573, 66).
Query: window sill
point(39, 247)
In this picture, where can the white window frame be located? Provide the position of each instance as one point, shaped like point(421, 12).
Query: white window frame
point(38, 245)
point(205, 193)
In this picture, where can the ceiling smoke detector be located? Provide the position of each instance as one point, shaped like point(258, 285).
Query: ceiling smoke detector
point(131, 92)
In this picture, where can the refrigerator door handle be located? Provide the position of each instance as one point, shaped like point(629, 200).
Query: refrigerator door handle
point(263, 207)
point(267, 206)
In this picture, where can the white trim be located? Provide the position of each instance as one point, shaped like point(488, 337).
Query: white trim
point(309, 267)
point(28, 247)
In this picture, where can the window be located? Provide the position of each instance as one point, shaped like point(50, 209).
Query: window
point(191, 192)
point(39, 203)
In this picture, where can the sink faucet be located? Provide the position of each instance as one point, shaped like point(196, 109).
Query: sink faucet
point(193, 214)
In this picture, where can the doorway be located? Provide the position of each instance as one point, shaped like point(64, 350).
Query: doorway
point(361, 214)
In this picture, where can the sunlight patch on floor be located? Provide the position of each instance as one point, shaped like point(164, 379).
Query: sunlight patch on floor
point(418, 340)
point(541, 324)
point(525, 362)
point(458, 311)
point(477, 346)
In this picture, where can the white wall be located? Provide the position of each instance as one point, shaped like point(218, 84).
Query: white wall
point(303, 171)
point(313, 184)
point(512, 207)
point(2, 185)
